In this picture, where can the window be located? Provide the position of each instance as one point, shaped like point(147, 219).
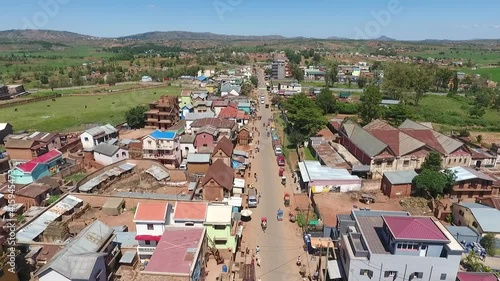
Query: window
point(366, 272)
point(219, 226)
point(406, 163)
point(460, 212)
point(443, 276)
point(147, 242)
point(190, 223)
point(389, 163)
point(474, 224)
point(416, 275)
point(124, 153)
point(150, 227)
point(390, 273)
point(117, 155)
point(149, 142)
point(220, 241)
point(86, 139)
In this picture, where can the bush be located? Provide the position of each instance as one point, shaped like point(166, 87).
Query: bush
point(346, 108)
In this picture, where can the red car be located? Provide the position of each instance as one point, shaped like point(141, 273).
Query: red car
point(280, 159)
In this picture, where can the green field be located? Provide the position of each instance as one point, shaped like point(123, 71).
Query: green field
point(492, 72)
point(69, 112)
point(453, 113)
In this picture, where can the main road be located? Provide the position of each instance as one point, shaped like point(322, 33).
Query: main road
point(281, 244)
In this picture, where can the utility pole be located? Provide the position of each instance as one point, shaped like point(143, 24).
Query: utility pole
point(326, 259)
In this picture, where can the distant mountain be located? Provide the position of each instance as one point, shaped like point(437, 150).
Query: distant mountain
point(385, 38)
point(186, 35)
point(337, 38)
point(42, 35)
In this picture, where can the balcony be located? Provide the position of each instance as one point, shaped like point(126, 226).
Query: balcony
point(159, 156)
point(145, 250)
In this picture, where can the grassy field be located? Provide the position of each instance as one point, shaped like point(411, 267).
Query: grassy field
point(453, 114)
point(492, 72)
point(69, 112)
point(478, 56)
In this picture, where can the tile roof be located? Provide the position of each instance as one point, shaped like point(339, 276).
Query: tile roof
point(163, 135)
point(29, 166)
point(209, 129)
point(220, 103)
point(190, 211)
point(221, 173)
point(156, 212)
point(414, 228)
point(400, 177)
point(437, 141)
point(476, 276)
point(225, 145)
point(106, 149)
point(228, 112)
point(363, 139)
point(177, 251)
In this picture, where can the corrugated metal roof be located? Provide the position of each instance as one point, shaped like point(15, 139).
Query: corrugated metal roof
point(198, 115)
point(163, 135)
point(463, 174)
point(198, 158)
point(158, 173)
point(106, 149)
point(128, 257)
point(38, 226)
point(125, 239)
point(177, 197)
point(363, 139)
point(315, 171)
point(400, 177)
point(78, 258)
point(486, 217)
point(127, 166)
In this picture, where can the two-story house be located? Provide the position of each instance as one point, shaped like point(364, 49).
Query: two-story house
point(162, 146)
point(43, 166)
point(25, 147)
point(150, 221)
point(163, 113)
point(94, 136)
point(226, 127)
point(231, 112)
point(219, 225)
point(381, 245)
point(470, 183)
point(483, 219)
point(223, 151)
point(192, 117)
point(206, 137)
point(185, 98)
point(217, 183)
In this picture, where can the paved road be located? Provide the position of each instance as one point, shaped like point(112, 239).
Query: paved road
point(280, 245)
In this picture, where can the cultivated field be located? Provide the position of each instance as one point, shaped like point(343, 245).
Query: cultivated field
point(73, 112)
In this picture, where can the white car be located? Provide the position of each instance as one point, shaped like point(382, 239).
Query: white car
point(262, 101)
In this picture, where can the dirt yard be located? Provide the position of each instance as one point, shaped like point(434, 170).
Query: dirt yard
point(126, 218)
point(488, 138)
point(135, 134)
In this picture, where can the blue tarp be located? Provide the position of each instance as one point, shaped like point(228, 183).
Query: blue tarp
point(201, 78)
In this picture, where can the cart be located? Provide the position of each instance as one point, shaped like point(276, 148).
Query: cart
point(286, 200)
point(279, 216)
point(282, 170)
point(292, 217)
point(263, 223)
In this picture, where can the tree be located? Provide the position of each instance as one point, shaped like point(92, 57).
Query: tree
point(246, 89)
point(361, 82)
point(421, 82)
point(369, 108)
point(489, 244)
point(326, 101)
point(316, 58)
point(433, 182)
point(397, 114)
point(136, 117)
point(44, 79)
point(433, 162)
point(331, 74)
point(479, 138)
point(303, 115)
point(476, 111)
point(297, 72)
point(397, 79)
point(254, 80)
point(472, 263)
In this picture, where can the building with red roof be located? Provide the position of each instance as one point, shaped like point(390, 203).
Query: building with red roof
point(180, 254)
point(42, 166)
point(386, 245)
point(476, 276)
point(150, 221)
point(190, 213)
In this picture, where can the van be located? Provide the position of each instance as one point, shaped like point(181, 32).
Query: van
point(278, 150)
point(252, 198)
point(183, 165)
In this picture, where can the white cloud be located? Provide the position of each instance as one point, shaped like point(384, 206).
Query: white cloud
point(494, 26)
point(151, 6)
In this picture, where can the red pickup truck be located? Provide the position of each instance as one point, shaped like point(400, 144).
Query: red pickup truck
point(280, 159)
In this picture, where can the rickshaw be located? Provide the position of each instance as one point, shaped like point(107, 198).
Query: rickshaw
point(263, 223)
point(286, 200)
point(283, 180)
point(279, 217)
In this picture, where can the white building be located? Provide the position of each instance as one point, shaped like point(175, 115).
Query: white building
point(146, 79)
point(162, 146)
point(150, 220)
point(94, 136)
point(106, 154)
point(189, 213)
point(291, 87)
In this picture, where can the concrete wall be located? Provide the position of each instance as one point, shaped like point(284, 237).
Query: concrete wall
point(198, 168)
point(107, 160)
point(463, 217)
point(142, 229)
point(212, 233)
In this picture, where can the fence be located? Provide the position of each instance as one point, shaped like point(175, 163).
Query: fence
point(69, 171)
point(26, 101)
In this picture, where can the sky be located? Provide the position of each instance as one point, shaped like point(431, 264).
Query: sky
point(361, 19)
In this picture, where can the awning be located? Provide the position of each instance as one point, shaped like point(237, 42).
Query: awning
point(321, 242)
point(148, 237)
point(334, 269)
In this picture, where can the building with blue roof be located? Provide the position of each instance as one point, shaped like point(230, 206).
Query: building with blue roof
point(163, 146)
point(483, 219)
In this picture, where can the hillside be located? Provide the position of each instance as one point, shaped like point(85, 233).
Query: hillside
point(183, 35)
point(43, 35)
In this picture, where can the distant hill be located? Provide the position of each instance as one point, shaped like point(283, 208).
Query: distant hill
point(186, 35)
point(385, 38)
point(42, 35)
